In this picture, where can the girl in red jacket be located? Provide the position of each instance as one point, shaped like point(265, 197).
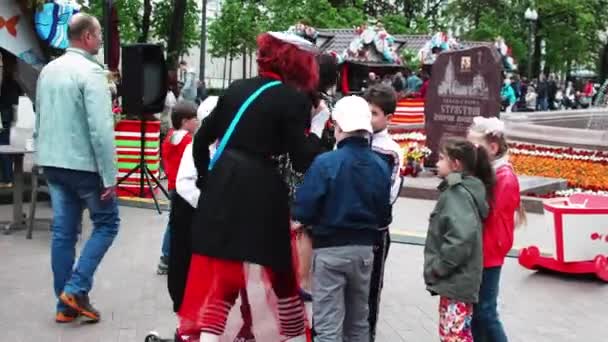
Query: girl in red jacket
point(499, 227)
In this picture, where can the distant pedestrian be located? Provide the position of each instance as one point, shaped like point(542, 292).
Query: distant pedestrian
point(542, 90)
point(507, 96)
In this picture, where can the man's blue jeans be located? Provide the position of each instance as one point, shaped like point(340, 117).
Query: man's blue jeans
point(542, 104)
point(72, 191)
point(486, 323)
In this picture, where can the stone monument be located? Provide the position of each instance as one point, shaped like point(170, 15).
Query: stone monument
point(464, 84)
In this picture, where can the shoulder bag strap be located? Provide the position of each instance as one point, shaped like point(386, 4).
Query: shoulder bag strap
point(237, 118)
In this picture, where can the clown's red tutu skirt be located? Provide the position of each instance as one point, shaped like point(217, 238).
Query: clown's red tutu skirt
point(233, 299)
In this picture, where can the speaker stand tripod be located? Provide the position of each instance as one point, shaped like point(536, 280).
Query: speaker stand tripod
point(145, 175)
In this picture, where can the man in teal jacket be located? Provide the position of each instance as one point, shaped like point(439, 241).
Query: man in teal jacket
point(74, 141)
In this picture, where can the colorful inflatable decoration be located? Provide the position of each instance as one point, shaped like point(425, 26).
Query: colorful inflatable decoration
point(439, 42)
point(307, 32)
point(52, 22)
point(506, 55)
point(17, 35)
point(373, 44)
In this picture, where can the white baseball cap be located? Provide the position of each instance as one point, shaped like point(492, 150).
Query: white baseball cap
point(352, 113)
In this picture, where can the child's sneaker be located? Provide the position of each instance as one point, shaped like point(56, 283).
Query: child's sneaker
point(81, 304)
point(163, 265)
point(68, 315)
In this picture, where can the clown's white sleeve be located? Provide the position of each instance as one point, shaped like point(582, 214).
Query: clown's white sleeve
point(185, 183)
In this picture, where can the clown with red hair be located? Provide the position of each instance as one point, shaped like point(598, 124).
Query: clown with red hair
point(241, 244)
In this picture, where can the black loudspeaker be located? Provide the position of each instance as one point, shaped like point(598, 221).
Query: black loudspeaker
point(144, 79)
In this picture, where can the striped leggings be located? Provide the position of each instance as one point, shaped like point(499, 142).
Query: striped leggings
point(213, 287)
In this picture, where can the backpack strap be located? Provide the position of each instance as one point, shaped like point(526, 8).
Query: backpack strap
point(237, 118)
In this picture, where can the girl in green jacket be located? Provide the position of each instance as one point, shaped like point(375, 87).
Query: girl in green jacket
point(453, 260)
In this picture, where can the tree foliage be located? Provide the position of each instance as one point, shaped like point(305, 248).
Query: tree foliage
point(161, 26)
point(568, 28)
point(140, 23)
point(235, 28)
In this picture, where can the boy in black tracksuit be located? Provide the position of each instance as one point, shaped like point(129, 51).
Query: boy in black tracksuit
point(382, 102)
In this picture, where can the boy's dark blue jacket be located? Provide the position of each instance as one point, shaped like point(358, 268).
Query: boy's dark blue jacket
point(345, 196)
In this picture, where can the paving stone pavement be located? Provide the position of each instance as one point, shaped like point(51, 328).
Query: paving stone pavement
point(134, 300)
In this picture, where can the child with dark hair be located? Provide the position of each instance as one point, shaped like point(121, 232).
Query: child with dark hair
point(382, 103)
point(185, 123)
point(453, 257)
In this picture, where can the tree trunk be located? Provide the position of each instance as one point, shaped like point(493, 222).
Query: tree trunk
point(224, 75)
point(145, 22)
point(409, 12)
point(603, 67)
point(176, 36)
point(230, 71)
point(536, 67)
point(203, 52)
point(476, 15)
point(244, 62)
point(250, 63)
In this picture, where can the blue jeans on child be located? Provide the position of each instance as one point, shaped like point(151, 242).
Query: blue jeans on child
point(6, 161)
point(486, 323)
point(166, 246)
point(71, 191)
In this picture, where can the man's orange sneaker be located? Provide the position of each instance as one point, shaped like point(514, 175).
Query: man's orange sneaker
point(81, 304)
point(68, 315)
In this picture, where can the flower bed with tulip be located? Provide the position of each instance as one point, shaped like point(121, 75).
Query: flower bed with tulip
point(414, 151)
point(585, 170)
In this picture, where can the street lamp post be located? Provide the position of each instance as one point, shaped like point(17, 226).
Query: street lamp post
point(107, 31)
point(531, 16)
point(203, 57)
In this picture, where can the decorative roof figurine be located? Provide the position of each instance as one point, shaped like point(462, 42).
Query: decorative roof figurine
point(372, 44)
point(505, 53)
point(440, 42)
point(307, 32)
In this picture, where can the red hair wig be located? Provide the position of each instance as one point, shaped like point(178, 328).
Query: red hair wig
point(295, 67)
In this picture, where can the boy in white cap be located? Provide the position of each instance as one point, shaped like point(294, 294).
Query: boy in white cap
point(345, 197)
